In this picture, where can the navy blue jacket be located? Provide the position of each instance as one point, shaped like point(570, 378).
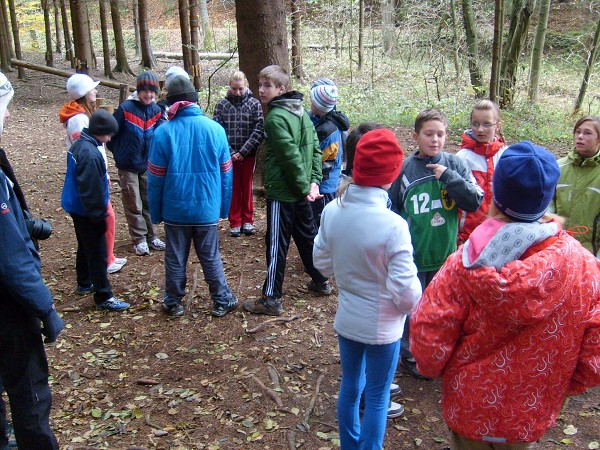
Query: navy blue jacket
point(131, 145)
point(85, 191)
point(20, 275)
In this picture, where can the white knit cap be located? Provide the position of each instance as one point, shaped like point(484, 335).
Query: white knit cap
point(174, 71)
point(6, 95)
point(79, 84)
point(324, 97)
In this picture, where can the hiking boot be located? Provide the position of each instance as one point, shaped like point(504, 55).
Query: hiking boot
point(409, 366)
point(175, 310)
point(395, 390)
point(84, 290)
point(320, 288)
point(113, 304)
point(235, 232)
point(220, 310)
point(157, 244)
point(248, 229)
point(141, 248)
point(395, 410)
point(269, 307)
point(114, 267)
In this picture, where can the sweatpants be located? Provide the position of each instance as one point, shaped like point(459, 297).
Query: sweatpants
point(241, 210)
point(284, 221)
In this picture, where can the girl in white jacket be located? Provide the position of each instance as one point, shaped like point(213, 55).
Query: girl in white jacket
point(368, 249)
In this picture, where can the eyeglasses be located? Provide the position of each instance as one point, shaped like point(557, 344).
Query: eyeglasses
point(485, 126)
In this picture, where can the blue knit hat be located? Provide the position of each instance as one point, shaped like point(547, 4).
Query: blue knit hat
point(524, 181)
point(147, 81)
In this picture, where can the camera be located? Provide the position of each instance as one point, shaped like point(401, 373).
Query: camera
point(37, 228)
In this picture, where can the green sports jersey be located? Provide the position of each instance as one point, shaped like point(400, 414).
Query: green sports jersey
point(430, 206)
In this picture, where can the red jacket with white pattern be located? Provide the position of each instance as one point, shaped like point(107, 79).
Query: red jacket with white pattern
point(510, 345)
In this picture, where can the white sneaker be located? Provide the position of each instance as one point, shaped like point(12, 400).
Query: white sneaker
point(114, 267)
point(141, 249)
point(157, 244)
point(121, 261)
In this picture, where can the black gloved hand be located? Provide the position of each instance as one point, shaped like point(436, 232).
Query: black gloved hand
point(52, 325)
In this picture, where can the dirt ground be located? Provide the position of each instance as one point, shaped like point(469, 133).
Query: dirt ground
point(140, 380)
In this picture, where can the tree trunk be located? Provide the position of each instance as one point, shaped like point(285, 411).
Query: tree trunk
point(120, 53)
point(69, 53)
point(496, 48)
point(58, 47)
point(94, 61)
point(136, 27)
point(455, 56)
point(81, 36)
point(297, 69)
point(48, 31)
point(588, 69)
point(209, 42)
point(105, 42)
point(195, 40)
point(15, 32)
point(537, 52)
point(472, 50)
point(510, 63)
point(361, 34)
point(147, 57)
point(262, 41)
point(5, 38)
point(186, 37)
point(388, 29)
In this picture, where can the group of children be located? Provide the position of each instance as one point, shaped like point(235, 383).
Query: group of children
point(479, 319)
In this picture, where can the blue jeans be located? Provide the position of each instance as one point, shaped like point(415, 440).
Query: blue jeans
point(370, 368)
point(206, 243)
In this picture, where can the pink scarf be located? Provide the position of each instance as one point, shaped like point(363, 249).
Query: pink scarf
point(175, 107)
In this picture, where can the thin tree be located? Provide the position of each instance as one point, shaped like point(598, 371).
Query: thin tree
point(209, 42)
point(186, 37)
point(81, 35)
point(496, 48)
point(297, 69)
point(120, 54)
point(361, 34)
point(537, 51)
point(6, 36)
point(105, 42)
point(147, 55)
point(4, 47)
point(592, 56)
point(472, 49)
point(136, 27)
point(56, 10)
point(49, 56)
point(195, 41)
point(388, 29)
point(455, 37)
point(17, 40)
point(69, 53)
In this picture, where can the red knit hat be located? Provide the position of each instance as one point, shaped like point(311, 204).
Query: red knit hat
point(377, 159)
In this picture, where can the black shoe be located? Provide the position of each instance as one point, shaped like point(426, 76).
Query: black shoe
point(409, 365)
point(320, 288)
point(269, 307)
point(175, 310)
point(84, 290)
point(219, 310)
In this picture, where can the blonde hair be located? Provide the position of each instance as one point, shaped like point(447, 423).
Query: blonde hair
point(594, 119)
point(486, 105)
point(238, 75)
point(277, 75)
point(428, 115)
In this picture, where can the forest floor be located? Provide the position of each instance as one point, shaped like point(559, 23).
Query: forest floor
point(138, 379)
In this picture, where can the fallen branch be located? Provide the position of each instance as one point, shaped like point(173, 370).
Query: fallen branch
point(291, 438)
point(70, 309)
point(304, 426)
point(147, 382)
point(274, 376)
point(153, 425)
point(277, 319)
point(270, 392)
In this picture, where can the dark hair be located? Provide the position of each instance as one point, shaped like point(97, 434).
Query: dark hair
point(427, 115)
point(353, 138)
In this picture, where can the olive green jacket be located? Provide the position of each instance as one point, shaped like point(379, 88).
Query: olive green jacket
point(577, 196)
point(292, 153)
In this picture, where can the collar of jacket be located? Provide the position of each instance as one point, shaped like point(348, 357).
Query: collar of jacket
point(291, 101)
point(487, 149)
point(428, 159)
point(578, 160)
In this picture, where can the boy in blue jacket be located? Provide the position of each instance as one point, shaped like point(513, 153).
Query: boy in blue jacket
point(85, 197)
point(189, 188)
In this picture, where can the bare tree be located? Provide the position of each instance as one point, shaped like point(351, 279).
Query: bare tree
point(297, 68)
point(496, 48)
point(136, 27)
point(538, 50)
point(147, 55)
point(186, 37)
point(361, 34)
point(48, 32)
point(455, 38)
point(209, 42)
point(69, 53)
point(472, 49)
point(17, 40)
point(195, 41)
point(5, 38)
point(81, 35)
point(388, 28)
point(592, 56)
point(56, 10)
point(120, 54)
point(105, 42)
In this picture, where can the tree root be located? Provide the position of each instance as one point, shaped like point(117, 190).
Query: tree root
point(277, 319)
point(304, 426)
point(270, 392)
point(274, 376)
point(291, 438)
